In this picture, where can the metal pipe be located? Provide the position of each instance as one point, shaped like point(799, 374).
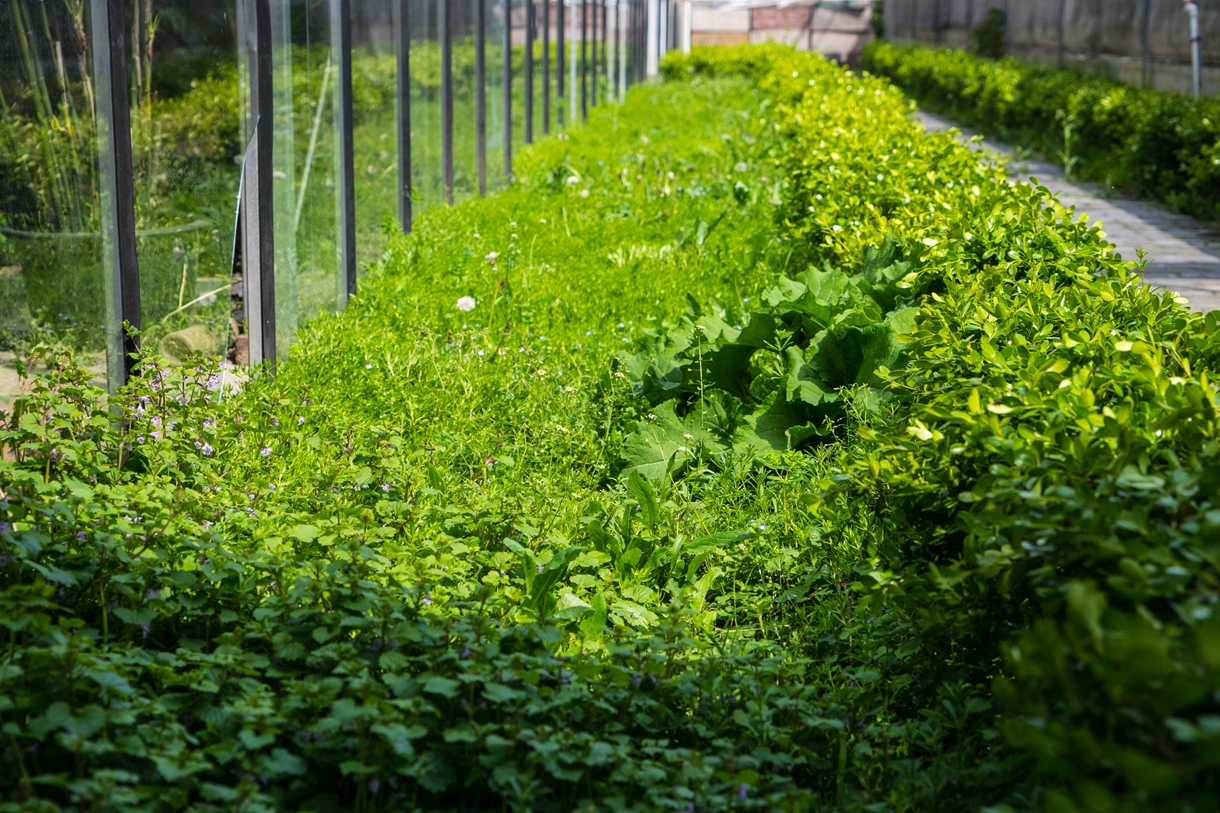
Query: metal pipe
point(117, 187)
point(559, 55)
point(508, 89)
point(529, 71)
point(1196, 52)
point(257, 204)
point(445, 19)
point(480, 93)
point(402, 51)
point(546, 66)
point(341, 52)
point(1144, 65)
point(584, 59)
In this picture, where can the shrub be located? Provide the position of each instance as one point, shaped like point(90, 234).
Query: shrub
point(1159, 145)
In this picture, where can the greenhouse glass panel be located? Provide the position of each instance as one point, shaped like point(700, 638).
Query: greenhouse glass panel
point(375, 134)
point(53, 273)
point(185, 100)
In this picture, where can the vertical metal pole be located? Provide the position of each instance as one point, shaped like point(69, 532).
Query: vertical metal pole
point(604, 63)
point(445, 20)
point(118, 215)
point(584, 59)
point(480, 92)
point(559, 61)
point(1196, 55)
point(258, 251)
point(529, 71)
point(573, 62)
point(402, 50)
point(341, 53)
point(614, 89)
point(593, 61)
point(546, 66)
point(508, 89)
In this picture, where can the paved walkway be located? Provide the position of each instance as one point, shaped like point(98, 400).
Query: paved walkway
point(1185, 254)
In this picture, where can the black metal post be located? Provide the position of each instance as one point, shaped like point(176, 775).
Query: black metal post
point(593, 55)
point(402, 48)
point(584, 59)
point(341, 48)
point(605, 59)
point(546, 66)
point(445, 20)
point(561, 100)
point(529, 71)
point(257, 212)
point(480, 92)
point(117, 186)
point(508, 89)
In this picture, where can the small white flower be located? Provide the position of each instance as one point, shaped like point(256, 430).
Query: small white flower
point(466, 304)
point(584, 193)
point(491, 257)
point(573, 180)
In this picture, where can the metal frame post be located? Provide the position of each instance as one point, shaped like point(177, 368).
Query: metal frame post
point(117, 187)
point(402, 50)
point(341, 53)
point(605, 60)
point(559, 23)
point(480, 93)
point(445, 21)
point(528, 78)
point(546, 66)
point(508, 90)
point(584, 59)
point(1196, 50)
point(257, 208)
point(593, 63)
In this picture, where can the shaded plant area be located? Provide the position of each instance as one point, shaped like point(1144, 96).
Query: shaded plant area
point(1163, 146)
point(752, 450)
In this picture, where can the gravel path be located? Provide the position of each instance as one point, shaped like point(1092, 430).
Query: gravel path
point(1184, 253)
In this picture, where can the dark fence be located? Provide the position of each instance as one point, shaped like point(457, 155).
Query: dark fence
point(215, 172)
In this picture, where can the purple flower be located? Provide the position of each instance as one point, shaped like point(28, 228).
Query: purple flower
point(466, 652)
point(213, 382)
point(151, 593)
point(5, 561)
point(208, 423)
point(265, 451)
point(300, 420)
point(80, 536)
point(385, 486)
point(743, 792)
point(374, 785)
point(635, 681)
point(275, 421)
point(428, 600)
point(144, 629)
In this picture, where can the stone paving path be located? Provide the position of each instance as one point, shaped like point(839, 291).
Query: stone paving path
point(1184, 253)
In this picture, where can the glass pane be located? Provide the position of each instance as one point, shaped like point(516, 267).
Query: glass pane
point(185, 131)
point(375, 138)
point(52, 280)
point(425, 105)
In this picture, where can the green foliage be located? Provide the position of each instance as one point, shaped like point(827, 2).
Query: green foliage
point(777, 383)
point(1165, 146)
point(987, 39)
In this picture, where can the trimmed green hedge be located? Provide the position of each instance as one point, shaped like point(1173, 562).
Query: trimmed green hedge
point(1164, 146)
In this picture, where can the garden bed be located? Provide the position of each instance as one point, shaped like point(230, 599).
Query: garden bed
point(753, 450)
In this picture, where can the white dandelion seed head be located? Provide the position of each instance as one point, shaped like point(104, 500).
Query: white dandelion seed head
point(466, 304)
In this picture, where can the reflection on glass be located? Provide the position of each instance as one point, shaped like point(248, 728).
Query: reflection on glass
point(51, 272)
point(185, 129)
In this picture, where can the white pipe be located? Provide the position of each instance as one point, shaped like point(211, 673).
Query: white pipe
point(651, 47)
point(622, 55)
point(1196, 56)
point(688, 12)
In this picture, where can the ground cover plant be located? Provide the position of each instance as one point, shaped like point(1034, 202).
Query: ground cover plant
point(753, 450)
point(1164, 146)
